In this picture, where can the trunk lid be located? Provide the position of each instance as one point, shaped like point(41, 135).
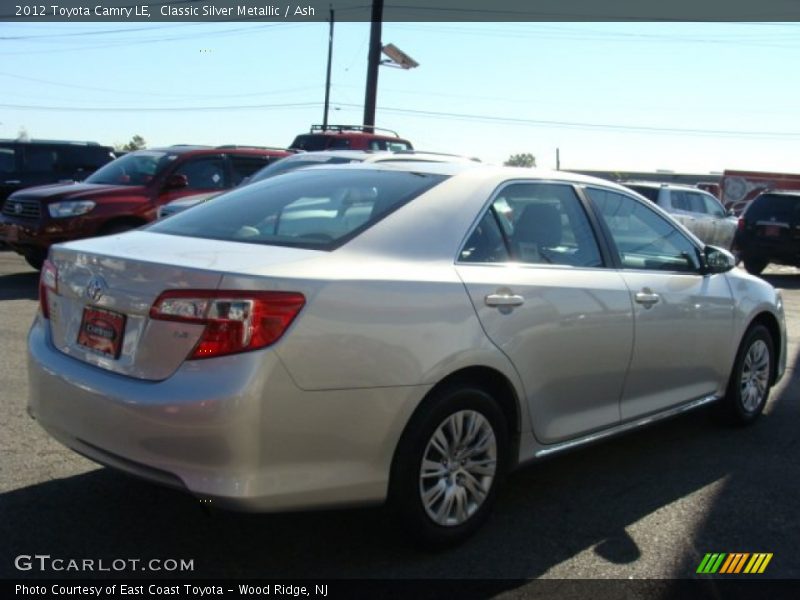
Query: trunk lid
point(119, 277)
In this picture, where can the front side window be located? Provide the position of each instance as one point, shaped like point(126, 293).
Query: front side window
point(537, 223)
point(41, 159)
point(644, 239)
point(8, 161)
point(318, 209)
point(696, 203)
point(713, 207)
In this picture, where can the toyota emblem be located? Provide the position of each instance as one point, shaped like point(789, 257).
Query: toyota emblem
point(96, 288)
point(17, 208)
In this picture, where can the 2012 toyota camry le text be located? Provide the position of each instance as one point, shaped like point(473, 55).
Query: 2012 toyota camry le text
point(407, 332)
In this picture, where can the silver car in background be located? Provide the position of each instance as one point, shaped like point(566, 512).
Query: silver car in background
point(406, 332)
point(697, 210)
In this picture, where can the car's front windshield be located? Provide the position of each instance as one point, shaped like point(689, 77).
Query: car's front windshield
point(136, 168)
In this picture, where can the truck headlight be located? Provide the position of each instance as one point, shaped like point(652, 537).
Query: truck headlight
point(72, 208)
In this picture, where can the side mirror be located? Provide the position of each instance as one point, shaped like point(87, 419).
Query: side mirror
point(176, 181)
point(717, 260)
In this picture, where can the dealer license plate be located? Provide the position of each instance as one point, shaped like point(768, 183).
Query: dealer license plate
point(102, 331)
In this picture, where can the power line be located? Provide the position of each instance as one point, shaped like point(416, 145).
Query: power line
point(160, 94)
point(584, 125)
point(158, 108)
point(431, 114)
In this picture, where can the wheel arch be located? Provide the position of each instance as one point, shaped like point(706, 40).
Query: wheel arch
point(768, 320)
point(492, 381)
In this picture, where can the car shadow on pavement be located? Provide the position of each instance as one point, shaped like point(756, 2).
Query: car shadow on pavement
point(546, 514)
point(19, 286)
point(783, 281)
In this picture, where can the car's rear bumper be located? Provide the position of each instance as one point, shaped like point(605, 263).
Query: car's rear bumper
point(234, 430)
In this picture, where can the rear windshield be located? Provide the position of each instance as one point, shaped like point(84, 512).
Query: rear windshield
point(766, 207)
point(311, 143)
point(136, 168)
point(318, 209)
point(648, 192)
point(290, 164)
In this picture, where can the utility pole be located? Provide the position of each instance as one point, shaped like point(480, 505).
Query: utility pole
point(328, 78)
point(558, 159)
point(374, 61)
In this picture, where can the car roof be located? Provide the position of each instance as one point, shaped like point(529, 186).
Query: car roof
point(484, 171)
point(659, 184)
point(228, 149)
point(781, 192)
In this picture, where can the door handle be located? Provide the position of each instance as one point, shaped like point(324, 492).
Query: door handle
point(13, 181)
point(647, 297)
point(504, 300)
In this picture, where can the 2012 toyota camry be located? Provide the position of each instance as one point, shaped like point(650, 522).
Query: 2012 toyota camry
point(406, 331)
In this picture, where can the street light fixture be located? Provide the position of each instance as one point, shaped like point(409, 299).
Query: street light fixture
point(397, 58)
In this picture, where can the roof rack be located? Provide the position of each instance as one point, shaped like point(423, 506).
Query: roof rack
point(343, 128)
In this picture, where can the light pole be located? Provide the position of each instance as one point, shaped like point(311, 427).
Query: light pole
point(328, 77)
point(373, 62)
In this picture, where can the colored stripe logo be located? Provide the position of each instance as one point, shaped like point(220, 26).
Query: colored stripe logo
point(734, 563)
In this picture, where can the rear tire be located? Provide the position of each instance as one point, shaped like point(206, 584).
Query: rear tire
point(448, 465)
point(119, 227)
point(751, 378)
point(754, 266)
point(35, 259)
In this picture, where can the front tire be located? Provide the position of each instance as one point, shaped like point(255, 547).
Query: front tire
point(754, 266)
point(749, 385)
point(448, 465)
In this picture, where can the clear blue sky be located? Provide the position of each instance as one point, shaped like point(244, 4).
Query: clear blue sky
point(732, 89)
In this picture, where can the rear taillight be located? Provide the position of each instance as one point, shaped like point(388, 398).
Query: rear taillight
point(48, 281)
point(740, 224)
point(236, 321)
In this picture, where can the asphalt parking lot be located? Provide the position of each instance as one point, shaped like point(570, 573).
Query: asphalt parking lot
point(647, 505)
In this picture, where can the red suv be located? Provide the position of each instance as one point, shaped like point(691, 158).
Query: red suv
point(349, 137)
point(123, 194)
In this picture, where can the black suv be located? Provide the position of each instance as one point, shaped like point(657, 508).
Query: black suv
point(769, 231)
point(25, 164)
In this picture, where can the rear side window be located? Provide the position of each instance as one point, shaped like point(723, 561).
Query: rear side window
point(286, 165)
point(648, 192)
point(310, 143)
point(778, 207)
point(319, 209)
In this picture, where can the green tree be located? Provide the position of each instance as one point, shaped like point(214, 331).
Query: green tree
point(137, 143)
point(521, 160)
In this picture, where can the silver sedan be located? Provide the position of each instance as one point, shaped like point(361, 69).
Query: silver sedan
point(405, 332)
